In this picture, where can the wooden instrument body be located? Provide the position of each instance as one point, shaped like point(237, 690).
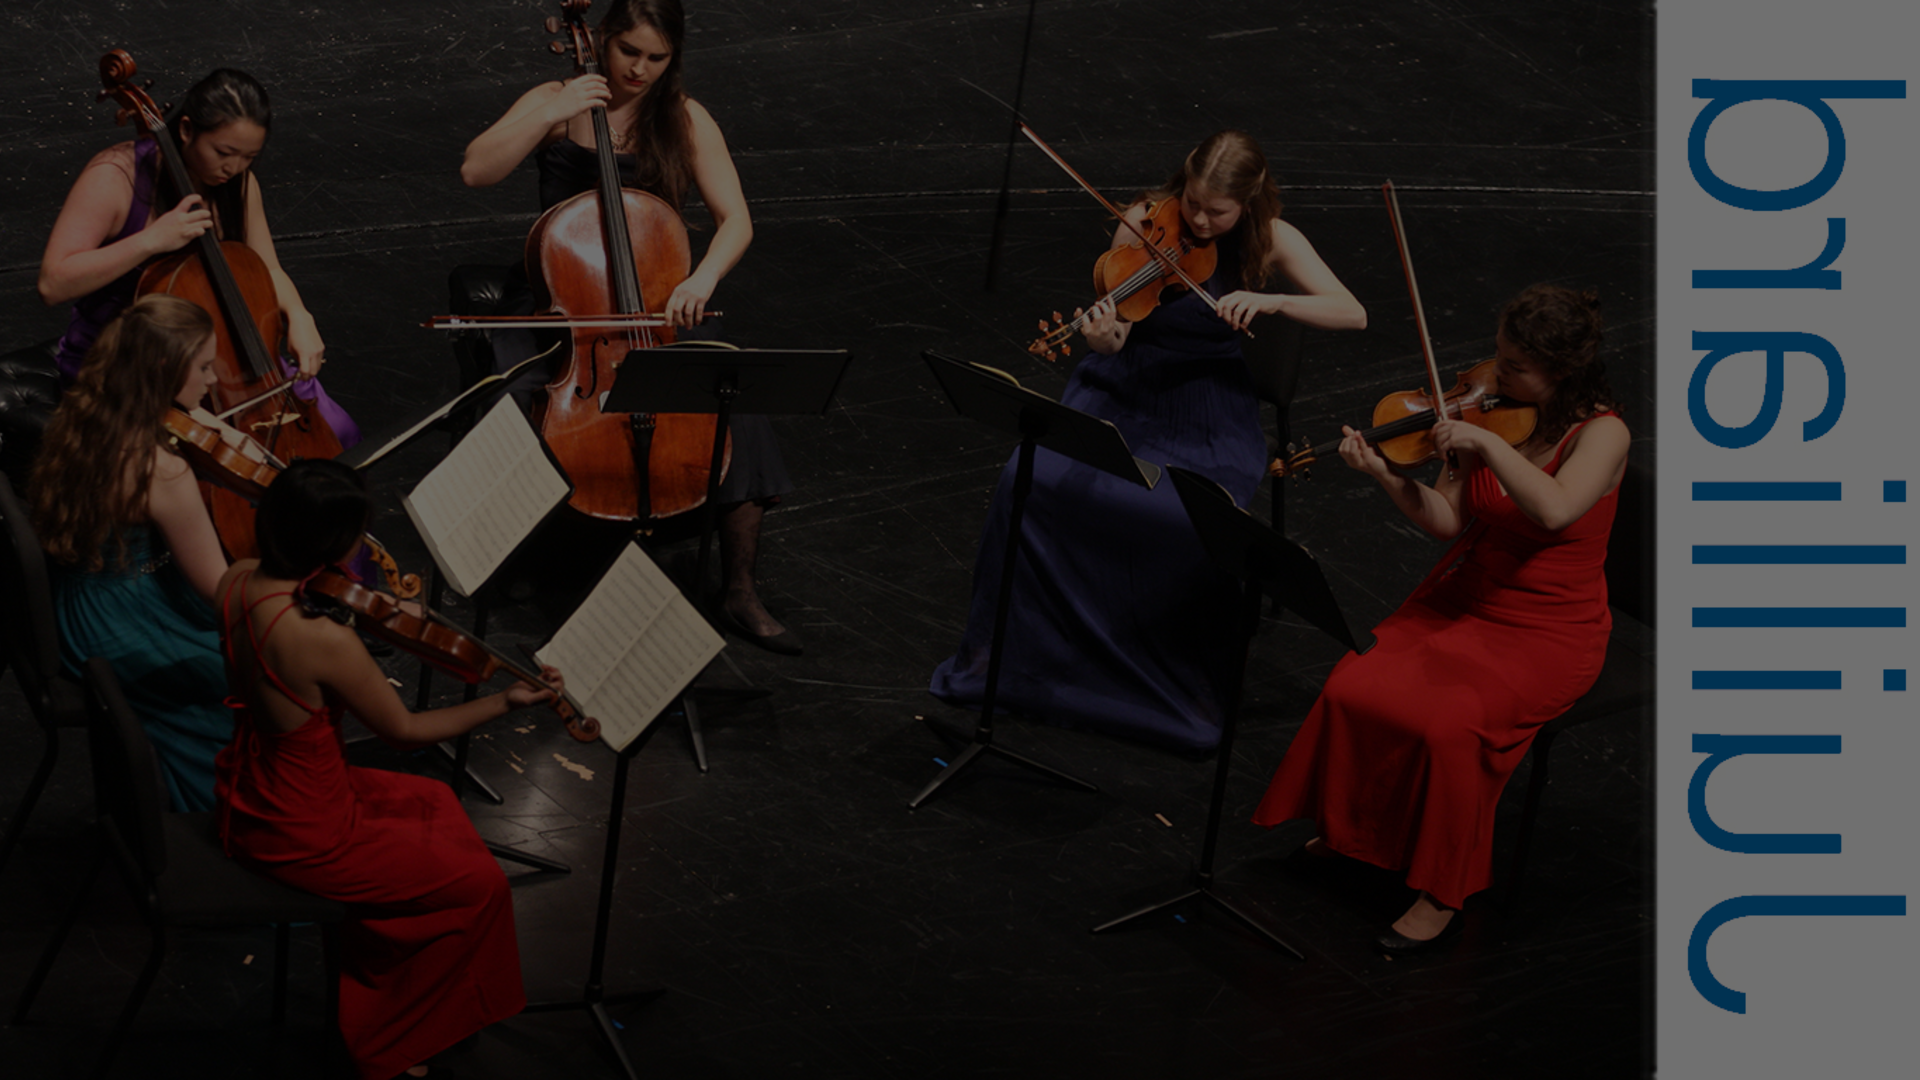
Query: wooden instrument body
point(231, 282)
point(602, 452)
point(1474, 399)
point(1116, 270)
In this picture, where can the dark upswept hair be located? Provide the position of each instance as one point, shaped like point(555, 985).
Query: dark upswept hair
point(1230, 165)
point(104, 433)
point(662, 135)
point(313, 514)
point(224, 96)
point(1559, 329)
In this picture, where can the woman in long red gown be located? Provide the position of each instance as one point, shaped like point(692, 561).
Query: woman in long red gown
point(1404, 756)
point(430, 955)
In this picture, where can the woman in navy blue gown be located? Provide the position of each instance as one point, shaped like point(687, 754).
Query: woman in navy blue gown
point(1118, 622)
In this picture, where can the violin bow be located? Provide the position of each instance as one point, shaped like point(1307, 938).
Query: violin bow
point(1166, 261)
point(1419, 311)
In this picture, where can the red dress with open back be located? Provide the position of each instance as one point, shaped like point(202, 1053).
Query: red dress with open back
point(1403, 757)
point(429, 955)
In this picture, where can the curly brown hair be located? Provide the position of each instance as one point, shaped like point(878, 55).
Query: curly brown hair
point(1559, 329)
point(1229, 164)
point(96, 460)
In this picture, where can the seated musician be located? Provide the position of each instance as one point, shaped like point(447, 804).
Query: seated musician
point(666, 144)
point(430, 956)
point(1404, 756)
point(122, 214)
point(134, 553)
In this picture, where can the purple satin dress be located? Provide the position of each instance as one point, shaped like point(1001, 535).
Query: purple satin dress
point(92, 312)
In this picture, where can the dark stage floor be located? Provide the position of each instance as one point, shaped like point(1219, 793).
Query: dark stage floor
point(802, 920)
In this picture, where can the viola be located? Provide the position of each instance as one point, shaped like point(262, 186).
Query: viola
point(234, 463)
point(603, 253)
point(1165, 256)
point(429, 637)
point(1403, 422)
point(230, 282)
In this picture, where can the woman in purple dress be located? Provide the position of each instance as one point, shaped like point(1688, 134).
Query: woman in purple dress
point(120, 216)
point(1119, 623)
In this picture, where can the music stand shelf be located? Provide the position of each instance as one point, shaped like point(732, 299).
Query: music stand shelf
point(997, 400)
point(713, 377)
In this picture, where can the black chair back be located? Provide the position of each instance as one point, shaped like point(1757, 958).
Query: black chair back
point(29, 392)
point(126, 775)
point(1273, 359)
point(26, 594)
point(1630, 554)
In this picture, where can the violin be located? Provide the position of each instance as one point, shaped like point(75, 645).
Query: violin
point(602, 253)
point(1137, 275)
point(1134, 277)
point(431, 638)
point(1403, 422)
point(231, 282)
point(234, 463)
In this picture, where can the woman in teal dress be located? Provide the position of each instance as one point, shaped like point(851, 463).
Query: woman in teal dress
point(135, 553)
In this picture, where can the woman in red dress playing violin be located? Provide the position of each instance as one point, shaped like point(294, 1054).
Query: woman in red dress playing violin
point(118, 217)
point(666, 144)
point(430, 957)
point(1404, 756)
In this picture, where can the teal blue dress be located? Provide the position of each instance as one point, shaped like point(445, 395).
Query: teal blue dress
point(163, 641)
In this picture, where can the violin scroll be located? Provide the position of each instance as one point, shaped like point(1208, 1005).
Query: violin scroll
point(1052, 342)
point(579, 44)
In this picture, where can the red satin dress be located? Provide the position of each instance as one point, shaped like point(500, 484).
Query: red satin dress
point(1403, 757)
point(428, 956)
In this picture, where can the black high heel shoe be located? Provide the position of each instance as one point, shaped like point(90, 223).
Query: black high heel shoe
point(1398, 944)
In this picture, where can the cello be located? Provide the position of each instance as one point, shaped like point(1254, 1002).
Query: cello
point(602, 253)
point(230, 281)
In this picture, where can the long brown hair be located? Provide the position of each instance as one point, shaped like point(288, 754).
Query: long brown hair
point(1559, 329)
point(1229, 164)
point(661, 135)
point(107, 426)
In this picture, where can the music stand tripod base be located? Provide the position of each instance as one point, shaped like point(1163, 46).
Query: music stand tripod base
point(1261, 559)
point(997, 400)
point(594, 999)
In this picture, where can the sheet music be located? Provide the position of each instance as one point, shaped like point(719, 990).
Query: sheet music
point(631, 648)
point(477, 505)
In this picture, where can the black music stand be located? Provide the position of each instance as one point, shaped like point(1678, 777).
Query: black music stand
point(713, 377)
point(594, 998)
point(365, 457)
point(1266, 562)
point(998, 401)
